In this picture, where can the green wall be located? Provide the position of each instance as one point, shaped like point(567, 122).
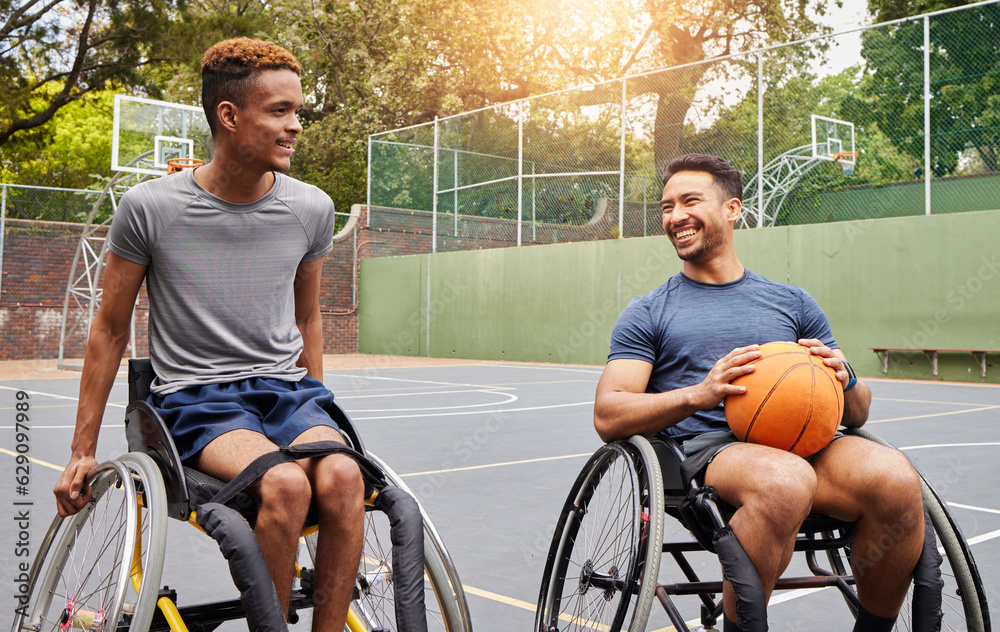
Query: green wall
point(929, 281)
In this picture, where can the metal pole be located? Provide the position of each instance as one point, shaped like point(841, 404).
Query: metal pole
point(927, 115)
point(760, 140)
point(368, 191)
point(644, 207)
point(520, 166)
point(434, 202)
point(533, 217)
point(621, 171)
point(455, 185)
point(3, 231)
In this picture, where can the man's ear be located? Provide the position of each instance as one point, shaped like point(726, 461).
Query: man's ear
point(225, 114)
point(734, 208)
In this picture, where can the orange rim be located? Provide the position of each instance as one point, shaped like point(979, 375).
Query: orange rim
point(178, 164)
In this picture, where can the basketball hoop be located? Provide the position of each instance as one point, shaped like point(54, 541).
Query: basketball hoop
point(179, 164)
point(847, 160)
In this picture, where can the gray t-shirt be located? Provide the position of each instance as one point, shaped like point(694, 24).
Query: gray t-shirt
point(684, 327)
point(220, 275)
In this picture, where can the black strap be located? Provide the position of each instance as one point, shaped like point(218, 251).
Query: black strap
point(286, 454)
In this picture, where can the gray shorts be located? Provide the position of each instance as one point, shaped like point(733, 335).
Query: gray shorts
point(700, 451)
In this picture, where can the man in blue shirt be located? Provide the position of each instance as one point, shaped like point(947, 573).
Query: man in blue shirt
point(674, 354)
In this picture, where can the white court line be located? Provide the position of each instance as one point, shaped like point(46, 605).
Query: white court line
point(973, 508)
point(949, 445)
point(510, 398)
point(30, 392)
point(35, 426)
point(414, 394)
point(477, 412)
point(398, 379)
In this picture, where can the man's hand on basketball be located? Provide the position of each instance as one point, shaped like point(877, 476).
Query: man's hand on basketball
point(717, 385)
point(71, 490)
point(830, 358)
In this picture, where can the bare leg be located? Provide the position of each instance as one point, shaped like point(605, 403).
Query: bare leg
point(862, 481)
point(773, 491)
point(283, 494)
point(339, 490)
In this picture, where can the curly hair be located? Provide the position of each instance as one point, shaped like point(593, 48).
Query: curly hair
point(725, 176)
point(230, 70)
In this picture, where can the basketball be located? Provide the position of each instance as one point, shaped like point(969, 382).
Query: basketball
point(793, 401)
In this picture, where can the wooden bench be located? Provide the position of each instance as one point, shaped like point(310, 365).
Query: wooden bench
point(932, 356)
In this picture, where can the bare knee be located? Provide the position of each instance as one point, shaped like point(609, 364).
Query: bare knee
point(339, 485)
point(781, 493)
point(894, 489)
point(285, 495)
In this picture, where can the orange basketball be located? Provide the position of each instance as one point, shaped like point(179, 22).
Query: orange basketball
point(793, 401)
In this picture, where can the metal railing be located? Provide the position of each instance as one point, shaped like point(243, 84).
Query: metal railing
point(585, 163)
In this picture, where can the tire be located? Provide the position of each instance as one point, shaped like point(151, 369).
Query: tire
point(148, 569)
point(81, 574)
point(617, 500)
point(963, 598)
point(447, 609)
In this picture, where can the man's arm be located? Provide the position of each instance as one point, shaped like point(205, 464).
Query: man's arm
point(622, 407)
point(858, 400)
point(109, 335)
point(308, 318)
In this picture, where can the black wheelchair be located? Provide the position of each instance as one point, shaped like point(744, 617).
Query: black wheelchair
point(604, 568)
point(100, 569)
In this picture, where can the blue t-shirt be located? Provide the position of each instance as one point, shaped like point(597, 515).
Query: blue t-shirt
point(684, 326)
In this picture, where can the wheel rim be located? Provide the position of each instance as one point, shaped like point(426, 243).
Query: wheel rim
point(600, 553)
point(85, 585)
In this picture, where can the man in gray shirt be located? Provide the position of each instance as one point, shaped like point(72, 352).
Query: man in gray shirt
point(674, 354)
point(232, 256)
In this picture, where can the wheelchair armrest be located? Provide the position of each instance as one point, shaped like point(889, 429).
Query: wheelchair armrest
point(140, 378)
point(346, 426)
point(670, 456)
point(146, 433)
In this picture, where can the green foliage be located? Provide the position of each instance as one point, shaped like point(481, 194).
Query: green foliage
point(67, 151)
point(965, 112)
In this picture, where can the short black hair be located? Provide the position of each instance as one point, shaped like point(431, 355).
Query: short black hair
point(725, 175)
point(229, 71)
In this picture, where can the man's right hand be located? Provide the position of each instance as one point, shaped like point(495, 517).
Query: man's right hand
point(716, 385)
point(71, 490)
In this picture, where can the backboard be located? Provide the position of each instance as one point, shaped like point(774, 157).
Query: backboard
point(833, 139)
point(160, 131)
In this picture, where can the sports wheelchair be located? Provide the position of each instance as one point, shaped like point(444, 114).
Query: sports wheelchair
point(99, 570)
point(604, 565)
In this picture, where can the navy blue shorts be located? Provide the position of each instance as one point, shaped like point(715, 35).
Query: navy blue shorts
point(277, 409)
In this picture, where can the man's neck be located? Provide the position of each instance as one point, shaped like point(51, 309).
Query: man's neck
point(241, 188)
point(723, 270)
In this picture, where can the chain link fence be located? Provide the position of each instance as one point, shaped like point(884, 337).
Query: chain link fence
point(896, 119)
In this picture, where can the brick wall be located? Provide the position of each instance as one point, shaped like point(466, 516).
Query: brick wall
point(37, 257)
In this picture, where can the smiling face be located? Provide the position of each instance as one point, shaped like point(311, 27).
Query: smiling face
point(697, 215)
point(267, 127)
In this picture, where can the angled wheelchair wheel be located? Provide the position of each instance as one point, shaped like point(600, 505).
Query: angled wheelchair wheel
point(963, 598)
point(374, 607)
point(89, 573)
point(604, 560)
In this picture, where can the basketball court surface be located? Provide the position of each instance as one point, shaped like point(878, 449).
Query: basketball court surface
point(491, 449)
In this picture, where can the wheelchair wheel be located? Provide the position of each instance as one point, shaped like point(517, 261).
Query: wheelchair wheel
point(964, 605)
point(603, 564)
point(374, 608)
point(86, 575)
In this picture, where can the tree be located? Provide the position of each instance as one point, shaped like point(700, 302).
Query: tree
point(964, 74)
point(77, 144)
point(53, 52)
